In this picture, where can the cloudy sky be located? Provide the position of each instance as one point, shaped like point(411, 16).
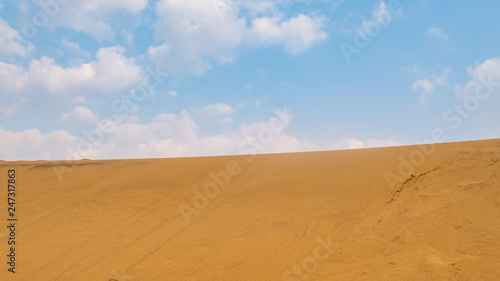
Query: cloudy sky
point(143, 78)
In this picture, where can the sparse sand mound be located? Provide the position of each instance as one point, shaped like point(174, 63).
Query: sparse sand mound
point(401, 213)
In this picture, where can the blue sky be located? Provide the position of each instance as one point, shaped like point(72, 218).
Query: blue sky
point(138, 78)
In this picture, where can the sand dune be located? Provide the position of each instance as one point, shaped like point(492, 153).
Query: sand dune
point(401, 213)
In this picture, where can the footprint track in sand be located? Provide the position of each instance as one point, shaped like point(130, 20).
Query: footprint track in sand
point(412, 179)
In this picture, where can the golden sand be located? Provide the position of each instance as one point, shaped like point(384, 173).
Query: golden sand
point(400, 213)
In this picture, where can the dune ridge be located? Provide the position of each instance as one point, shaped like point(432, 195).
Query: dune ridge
point(399, 213)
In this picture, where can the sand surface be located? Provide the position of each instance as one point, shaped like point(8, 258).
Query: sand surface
point(336, 215)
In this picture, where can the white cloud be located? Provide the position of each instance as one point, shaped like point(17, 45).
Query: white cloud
point(195, 34)
point(32, 144)
point(111, 72)
point(75, 48)
point(219, 108)
point(221, 112)
point(81, 113)
point(415, 70)
point(256, 7)
point(7, 109)
point(226, 120)
point(354, 143)
point(484, 77)
point(93, 16)
point(12, 78)
point(172, 135)
point(43, 82)
point(477, 102)
point(336, 4)
point(425, 87)
point(159, 52)
point(167, 135)
point(442, 80)
point(70, 45)
point(382, 14)
point(380, 11)
point(11, 42)
point(296, 34)
point(172, 94)
point(434, 32)
point(490, 68)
